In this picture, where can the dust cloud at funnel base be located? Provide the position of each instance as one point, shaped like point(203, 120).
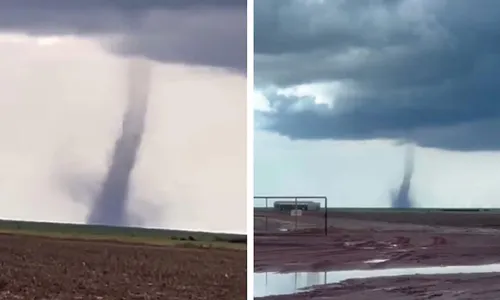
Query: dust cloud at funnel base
point(110, 205)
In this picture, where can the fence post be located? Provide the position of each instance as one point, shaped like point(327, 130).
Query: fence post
point(296, 215)
point(326, 216)
point(266, 214)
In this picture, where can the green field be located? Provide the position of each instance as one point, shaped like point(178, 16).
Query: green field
point(396, 210)
point(125, 234)
point(465, 217)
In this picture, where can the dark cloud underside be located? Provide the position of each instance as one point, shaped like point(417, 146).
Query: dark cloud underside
point(211, 33)
point(425, 69)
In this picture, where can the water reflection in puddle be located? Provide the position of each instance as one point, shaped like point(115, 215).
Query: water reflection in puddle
point(375, 261)
point(266, 284)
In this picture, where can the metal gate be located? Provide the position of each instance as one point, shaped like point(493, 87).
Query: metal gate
point(298, 214)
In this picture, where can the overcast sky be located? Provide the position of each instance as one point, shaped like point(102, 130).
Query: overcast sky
point(63, 85)
point(338, 84)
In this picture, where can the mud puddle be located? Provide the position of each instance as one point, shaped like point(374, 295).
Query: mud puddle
point(268, 284)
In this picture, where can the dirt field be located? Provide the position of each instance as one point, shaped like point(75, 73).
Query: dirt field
point(403, 240)
point(49, 268)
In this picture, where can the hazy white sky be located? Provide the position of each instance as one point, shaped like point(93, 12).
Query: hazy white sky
point(61, 104)
point(362, 174)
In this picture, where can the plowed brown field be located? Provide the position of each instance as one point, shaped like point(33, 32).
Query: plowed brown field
point(33, 267)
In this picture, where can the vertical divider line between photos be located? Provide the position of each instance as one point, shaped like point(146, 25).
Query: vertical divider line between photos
point(249, 154)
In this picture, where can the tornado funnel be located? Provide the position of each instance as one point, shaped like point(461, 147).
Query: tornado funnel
point(110, 205)
point(402, 198)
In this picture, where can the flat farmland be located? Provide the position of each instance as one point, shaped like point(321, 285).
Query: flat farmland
point(479, 218)
point(275, 221)
point(390, 239)
point(49, 265)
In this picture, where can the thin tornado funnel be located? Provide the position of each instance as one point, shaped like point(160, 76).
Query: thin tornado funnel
point(110, 205)
point(402, 198)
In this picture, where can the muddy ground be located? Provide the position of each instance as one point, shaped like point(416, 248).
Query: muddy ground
point(404, 240)
point(56, 269)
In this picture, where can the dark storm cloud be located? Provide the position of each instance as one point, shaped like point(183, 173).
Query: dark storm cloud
point(426, 69)
point(211, 33)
